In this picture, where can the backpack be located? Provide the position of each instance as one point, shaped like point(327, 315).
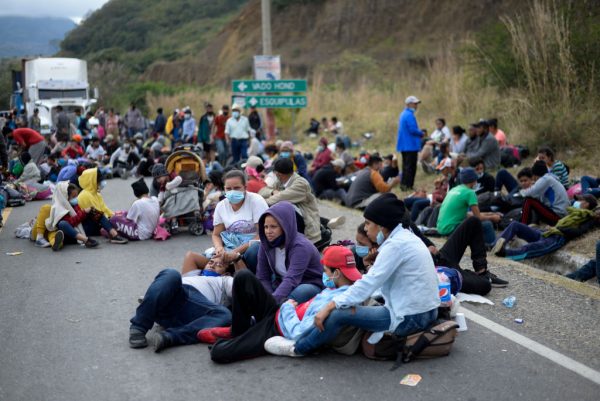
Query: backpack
point(436, 341)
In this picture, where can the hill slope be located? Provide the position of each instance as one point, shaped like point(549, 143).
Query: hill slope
point(141, 32)
point(25, 36)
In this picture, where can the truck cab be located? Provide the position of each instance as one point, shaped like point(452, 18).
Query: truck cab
point(52, 82)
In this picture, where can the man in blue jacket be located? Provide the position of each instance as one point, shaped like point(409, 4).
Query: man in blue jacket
point(409, 142)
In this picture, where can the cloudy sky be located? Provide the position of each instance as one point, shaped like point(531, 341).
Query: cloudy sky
point(74, 9)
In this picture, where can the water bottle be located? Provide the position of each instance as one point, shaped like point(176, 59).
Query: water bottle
point(509, 302)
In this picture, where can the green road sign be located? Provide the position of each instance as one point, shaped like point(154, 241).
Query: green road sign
point(289, 85)
point(277, 102)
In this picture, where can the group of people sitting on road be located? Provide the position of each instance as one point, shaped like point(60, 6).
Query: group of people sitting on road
point(271, 282)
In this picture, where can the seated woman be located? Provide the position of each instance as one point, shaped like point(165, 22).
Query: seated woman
point(60, 222)
point(92, 183)
point(31, 176)
point(236, 221)
point(291, 320)
point(365, 250)
point(403, 272)
point(579, 220)
point(288, 263)
point(142, 218)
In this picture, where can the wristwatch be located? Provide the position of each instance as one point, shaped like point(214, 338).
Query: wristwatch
point(239, 257)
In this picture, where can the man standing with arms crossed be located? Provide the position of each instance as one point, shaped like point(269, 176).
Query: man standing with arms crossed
point(409, 142)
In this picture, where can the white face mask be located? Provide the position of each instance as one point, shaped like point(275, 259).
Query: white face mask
point(236, 114)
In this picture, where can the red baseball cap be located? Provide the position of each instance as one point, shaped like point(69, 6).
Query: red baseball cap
point(339, 257)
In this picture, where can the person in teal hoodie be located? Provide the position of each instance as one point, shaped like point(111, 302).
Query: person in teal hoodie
point(291, 320)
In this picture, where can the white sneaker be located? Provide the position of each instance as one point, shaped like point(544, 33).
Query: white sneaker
point(42, 243)
point(336, 222)
point(281, 346)
point(498, 246)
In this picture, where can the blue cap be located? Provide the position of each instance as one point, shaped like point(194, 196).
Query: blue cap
point(468, 175)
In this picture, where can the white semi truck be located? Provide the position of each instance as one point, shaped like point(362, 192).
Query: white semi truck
point(52, 82)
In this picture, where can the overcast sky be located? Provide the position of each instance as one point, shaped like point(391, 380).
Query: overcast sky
point(74, 9)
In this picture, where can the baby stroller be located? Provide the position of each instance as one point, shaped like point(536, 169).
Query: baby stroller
point(185, 201)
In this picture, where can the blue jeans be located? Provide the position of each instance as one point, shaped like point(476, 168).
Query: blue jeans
point(505, 179)
point(92, 228)
point(370, 318)
point(590, 270)
point(239, 149)
point(537, 245)
point(181, 309)
point(329, 194)
point(590, 185)
point(304, 292)
point(416, 206)
point(221, 146)
point(69, 231)
point(250, 257)
point(489, 233)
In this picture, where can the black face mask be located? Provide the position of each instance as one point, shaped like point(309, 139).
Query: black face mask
point(277, 242)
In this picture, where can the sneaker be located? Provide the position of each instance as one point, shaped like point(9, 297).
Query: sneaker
point(498, 246)
point(160, 341)
point(281, 346)
point(211, 335)
point(91, 243)
point(117, 239)
point(137, 338)
point(58, 241)
point(336, 222)
point(42, 243)
point(496, 281)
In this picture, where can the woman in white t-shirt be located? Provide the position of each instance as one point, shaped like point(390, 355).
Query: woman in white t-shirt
point(235, 223)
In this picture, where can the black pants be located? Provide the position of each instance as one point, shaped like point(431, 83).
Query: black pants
point(468, 234)
point(250, 299)
point(409, 169)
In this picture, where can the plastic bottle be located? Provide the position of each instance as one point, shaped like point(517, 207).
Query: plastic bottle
point(444, 290)
point(509, 302)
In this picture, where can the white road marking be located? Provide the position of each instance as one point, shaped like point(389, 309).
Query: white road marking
point(556, 357)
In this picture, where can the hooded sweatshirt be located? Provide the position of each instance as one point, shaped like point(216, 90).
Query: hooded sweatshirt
point(90, 197)
point(60, 207)
point(302, 259)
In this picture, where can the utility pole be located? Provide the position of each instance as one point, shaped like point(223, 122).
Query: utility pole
point(266, 27)
point(267, 51)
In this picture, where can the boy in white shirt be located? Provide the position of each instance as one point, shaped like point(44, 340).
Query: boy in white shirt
point(142, 218)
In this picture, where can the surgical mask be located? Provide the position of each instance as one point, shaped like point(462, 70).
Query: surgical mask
point(577, 205)
point(235, 197)
point(284, 154)
point(73, 202)
point(320, 149)
point(380, 237)
point(188, 116)
point(236, 114)
point(328, 281)
point(363, 160)
point(102, 184)
point(361, 250)
point(479, 175)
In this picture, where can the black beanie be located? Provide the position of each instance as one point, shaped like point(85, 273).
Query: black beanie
point(25, 158)
point(539, 168)
point(140, 188)
point(387, 211)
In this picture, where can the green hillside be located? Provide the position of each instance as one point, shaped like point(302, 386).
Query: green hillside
point(140, 32)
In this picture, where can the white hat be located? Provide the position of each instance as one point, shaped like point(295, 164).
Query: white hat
point(235, 106)
point(253, 161)
point(338, 163)
point(412, 99)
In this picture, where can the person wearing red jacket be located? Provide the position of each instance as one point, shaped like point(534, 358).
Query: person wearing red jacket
point(32, 141)
point(74, 150)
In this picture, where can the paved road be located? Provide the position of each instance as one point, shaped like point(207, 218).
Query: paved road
point(64, 322)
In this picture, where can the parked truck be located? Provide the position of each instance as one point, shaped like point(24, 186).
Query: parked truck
point(52, 82)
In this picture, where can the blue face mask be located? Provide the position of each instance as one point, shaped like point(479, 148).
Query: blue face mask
point(577, 205)
point(361, 250)
point(380, 237)
point(102, 184)
point(235, 197)
point(74, 202)
point(284, 154)
point(328, 281)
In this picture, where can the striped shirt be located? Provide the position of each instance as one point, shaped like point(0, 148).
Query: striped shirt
point(560, 171)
